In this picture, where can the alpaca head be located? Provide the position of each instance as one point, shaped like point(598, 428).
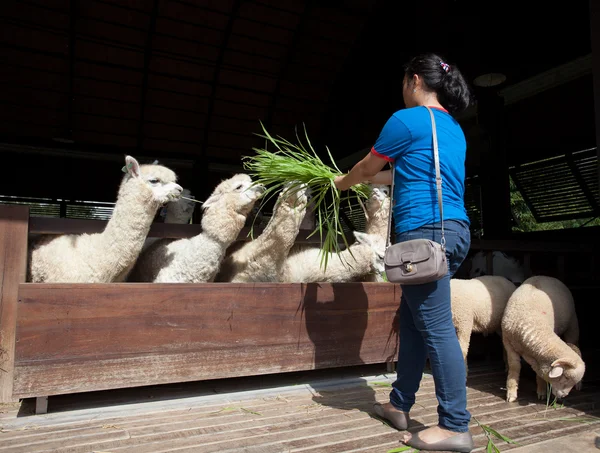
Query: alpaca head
point(237, 194)
point(296, 194)
point(377, 245)
point(157, 183)
point(380, 197)
point(180, 211)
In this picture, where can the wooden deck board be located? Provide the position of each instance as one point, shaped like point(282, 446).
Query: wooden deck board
point(313, 417)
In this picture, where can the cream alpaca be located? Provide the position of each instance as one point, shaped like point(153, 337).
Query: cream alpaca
point(477, 306)
point(536, 315)
point(367, 257)
point(108, 256)
point(377, 215)
point(261, 259)
point(197, 259)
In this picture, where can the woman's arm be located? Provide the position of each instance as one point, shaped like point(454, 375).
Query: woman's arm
point(383, 177)
point(365, 170)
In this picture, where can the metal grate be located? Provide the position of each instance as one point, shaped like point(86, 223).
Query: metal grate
point(46, 207)
point(560, 188)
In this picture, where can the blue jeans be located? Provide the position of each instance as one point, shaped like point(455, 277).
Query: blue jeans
point(426, 329)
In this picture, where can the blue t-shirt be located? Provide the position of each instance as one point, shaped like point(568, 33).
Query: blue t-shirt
point(406, 141)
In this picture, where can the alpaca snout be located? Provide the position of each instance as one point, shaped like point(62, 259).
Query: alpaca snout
point(179, 189)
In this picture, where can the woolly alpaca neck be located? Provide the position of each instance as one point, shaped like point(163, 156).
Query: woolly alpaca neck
point(221, 225)
point(377, 222)
point(126, 231)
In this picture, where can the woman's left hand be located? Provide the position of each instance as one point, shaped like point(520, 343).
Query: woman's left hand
point(340, 182)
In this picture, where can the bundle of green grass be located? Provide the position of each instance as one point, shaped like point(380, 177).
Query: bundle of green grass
point(293, 164)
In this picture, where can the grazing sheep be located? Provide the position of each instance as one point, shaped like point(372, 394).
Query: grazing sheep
point(303, 266)
point(107, 256)
point(536, 315)
point(197, 259)
point(261, 260)
point(477, 306)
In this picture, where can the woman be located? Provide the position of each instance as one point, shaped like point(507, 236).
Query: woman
point(426, 327)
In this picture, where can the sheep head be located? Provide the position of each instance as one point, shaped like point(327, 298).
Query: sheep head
point(180, 211)
point(566, 373)
point(237, 194)
point(377, 245)
point(156, 183)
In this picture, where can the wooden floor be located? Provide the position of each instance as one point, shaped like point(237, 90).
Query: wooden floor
point(325, 411)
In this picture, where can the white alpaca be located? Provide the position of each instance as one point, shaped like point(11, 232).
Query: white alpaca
point(261, 260)
point(180, 211)
point(537, 314)
point(377, 215)
point(108, 256)
point(477, 306)
point(363, 257)
point(176, 212)
point(197, 259)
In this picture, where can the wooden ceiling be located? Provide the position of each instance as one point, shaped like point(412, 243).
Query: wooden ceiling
point(191, 79)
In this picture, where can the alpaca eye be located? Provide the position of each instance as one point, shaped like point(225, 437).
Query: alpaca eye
point(154, 181)
point(239, 187)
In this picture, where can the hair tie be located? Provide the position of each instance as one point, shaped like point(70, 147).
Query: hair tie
point(445, 66)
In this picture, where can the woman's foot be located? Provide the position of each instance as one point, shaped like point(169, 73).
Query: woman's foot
point(440, 439)
point(396, 417)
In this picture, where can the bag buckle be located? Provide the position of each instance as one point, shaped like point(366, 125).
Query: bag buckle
point(408, 267)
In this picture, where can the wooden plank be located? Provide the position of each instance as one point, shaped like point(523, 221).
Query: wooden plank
point(81, 337)
point(13, 270)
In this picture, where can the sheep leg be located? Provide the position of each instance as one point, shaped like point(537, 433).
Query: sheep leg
point(463, 333)
point(499, 332)
point(514, 370)
point(542, 387)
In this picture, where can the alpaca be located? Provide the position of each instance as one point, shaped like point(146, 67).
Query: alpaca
point(197, 259)
point(107, 256)
point(363, 257)
point(378, 211)
point(179, 211)
point(261, 259)
point(377, 217)
point(537, 314)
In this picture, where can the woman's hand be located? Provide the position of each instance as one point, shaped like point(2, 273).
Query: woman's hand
point(340, 182)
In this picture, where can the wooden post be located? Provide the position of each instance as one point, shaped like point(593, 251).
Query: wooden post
point(595, 35)
point(14, 222)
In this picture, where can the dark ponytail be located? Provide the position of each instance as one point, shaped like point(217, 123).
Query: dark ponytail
point(444, 79)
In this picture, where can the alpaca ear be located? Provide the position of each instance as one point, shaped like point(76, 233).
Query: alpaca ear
point(132, 166)
point(362, 238)
point(210, 201)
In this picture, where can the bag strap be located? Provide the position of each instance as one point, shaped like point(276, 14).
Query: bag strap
point(438, 182)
